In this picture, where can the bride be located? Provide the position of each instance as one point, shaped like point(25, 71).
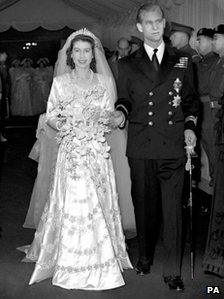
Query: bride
point(79, 240)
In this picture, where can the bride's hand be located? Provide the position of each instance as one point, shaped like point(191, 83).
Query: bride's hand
point(116, 118)
point(119, 118)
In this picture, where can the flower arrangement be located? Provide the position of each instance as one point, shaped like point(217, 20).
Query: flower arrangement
point(82, 135)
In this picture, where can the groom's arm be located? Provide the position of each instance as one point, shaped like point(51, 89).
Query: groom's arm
point(190, 100)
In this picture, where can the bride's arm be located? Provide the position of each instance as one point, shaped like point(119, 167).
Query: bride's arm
point(111, 94)
point(117, 117)
point(53, 118)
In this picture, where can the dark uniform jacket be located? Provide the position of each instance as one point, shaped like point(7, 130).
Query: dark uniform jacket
point(158, 105)
point(204, 68)
point(216, 81)
point(194, 55)
point(216, 93)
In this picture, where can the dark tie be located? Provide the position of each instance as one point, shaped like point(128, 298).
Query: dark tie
point(155, 61)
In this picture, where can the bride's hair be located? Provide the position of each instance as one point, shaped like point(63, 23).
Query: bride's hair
point(84, 38)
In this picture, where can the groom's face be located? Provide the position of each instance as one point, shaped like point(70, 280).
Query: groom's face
point(152, 26)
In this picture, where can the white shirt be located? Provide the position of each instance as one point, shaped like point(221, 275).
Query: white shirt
point(159, 53)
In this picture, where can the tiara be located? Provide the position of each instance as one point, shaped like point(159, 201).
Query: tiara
point(84, 31)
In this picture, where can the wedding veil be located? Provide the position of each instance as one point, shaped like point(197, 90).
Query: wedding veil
point(102, 66)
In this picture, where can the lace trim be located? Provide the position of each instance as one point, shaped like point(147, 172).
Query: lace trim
point(96, 266)
point(82, 219)
point(89, 251)
point(47, 217)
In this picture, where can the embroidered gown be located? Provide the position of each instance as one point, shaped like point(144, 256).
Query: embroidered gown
point(79, 240)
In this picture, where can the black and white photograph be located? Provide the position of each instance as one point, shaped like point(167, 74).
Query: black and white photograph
point(111, 149)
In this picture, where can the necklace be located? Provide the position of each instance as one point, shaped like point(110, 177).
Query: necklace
point(85, 80)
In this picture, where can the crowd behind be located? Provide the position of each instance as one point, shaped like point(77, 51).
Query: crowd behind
point(24, 86)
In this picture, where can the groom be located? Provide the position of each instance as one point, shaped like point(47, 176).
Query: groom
point(156, 94)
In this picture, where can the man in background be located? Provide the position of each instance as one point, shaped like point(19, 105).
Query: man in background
point(204, 68)
point(180, 36)
point(123, 49)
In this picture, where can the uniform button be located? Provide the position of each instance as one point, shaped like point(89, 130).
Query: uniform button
point(151, 93)
point(170, 93)
point(170, 103)
point(170, 113)
point(150, 113)
point(150, 103)
point(170, 122)
point(150, 123)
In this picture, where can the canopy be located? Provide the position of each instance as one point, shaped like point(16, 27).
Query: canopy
point(27, 15)
point(109, 19)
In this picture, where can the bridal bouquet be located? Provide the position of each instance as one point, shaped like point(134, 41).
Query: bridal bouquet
point(84, 129)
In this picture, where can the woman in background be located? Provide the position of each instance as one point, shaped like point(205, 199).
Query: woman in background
point(42, 80)
point(20, 88)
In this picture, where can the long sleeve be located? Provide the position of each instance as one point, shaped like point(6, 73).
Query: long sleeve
point(190, 104)
point(111, 93)
point(124, 103)
point(53, 111)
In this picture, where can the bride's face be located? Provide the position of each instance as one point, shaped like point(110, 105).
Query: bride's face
point(82, 54)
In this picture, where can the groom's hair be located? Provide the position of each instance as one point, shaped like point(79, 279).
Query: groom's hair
point(84, 38)
point(146, 8)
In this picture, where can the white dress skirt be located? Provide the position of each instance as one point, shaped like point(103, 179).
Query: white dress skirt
point(47, 149)
point(79, 242)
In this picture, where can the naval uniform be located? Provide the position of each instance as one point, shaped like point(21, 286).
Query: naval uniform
point(159, 106)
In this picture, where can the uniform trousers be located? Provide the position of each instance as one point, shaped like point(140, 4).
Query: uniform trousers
point(157, 184)
point(208, 135)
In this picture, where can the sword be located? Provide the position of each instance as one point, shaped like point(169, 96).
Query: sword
point(189, 167)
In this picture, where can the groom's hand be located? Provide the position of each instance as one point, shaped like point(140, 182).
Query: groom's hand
point(190, 138)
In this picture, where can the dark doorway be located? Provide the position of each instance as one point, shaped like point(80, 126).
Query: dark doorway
point(34, 44)
point(31, 48)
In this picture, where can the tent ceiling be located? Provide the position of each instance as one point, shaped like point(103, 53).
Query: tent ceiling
point(26, 15)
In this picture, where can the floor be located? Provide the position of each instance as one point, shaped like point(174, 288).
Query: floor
point(17, 177)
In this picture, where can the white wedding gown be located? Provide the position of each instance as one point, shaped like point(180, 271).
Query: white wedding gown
point(79, 241)
point(44, 151)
